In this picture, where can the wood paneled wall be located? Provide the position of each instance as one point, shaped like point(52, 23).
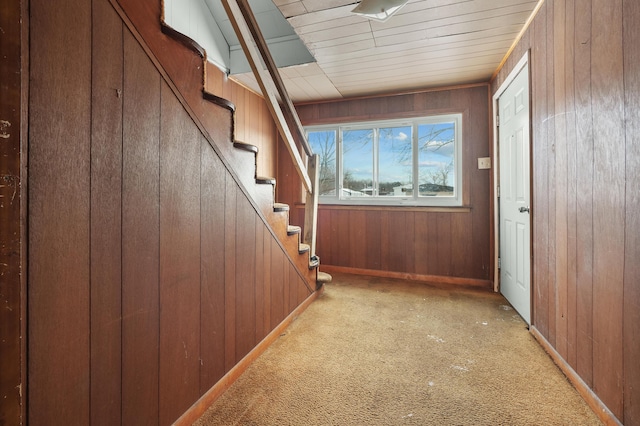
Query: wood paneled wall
point(585, 82)
point(13, 185)
point(253, 122)
point(450, 243)
point(150, 272)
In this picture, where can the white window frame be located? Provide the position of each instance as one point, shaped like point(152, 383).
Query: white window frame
point(414, 199)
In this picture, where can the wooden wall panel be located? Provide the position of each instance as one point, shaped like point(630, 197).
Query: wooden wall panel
point(148, 260)
point(253, 123)
point(140, 237)
point(13, 165)
point(631, 319)
point(608, 209)
point(540, 175)
point(59, 209)
point(179, 359)
point(212, 299)
point(560, 126)
point(245, 320)
point(106, 216)
point(230, 231)
point(572, 185)
point(417, 240)
point(584, 66)
point(549, 120)
point(584, 192)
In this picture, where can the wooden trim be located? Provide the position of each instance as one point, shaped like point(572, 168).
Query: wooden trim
point(438, 279)
point(522, 64)
point(421, 209)
point(516, 41)
point(401, 93)
point(598, 407)
point(200, 406)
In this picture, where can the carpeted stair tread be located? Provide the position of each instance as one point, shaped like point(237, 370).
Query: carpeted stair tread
point(246, 146)
point(323, 277)
point(263, 180)
point(303, 248)
point(293, 230)
point(280, 207)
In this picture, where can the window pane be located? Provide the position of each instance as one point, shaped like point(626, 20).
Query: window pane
point(323, 143)
point(395, 170)
point(357, 163)
point(436, 167)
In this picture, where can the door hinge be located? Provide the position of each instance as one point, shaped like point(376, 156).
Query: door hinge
point(498, 191)
point(499, 263)
point(497, 120)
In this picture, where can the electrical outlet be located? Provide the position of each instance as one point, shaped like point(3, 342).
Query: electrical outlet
point(484, 163)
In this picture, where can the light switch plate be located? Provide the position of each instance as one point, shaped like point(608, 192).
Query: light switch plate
point(484, 163)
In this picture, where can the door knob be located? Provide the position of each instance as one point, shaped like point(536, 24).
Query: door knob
point(524, 209)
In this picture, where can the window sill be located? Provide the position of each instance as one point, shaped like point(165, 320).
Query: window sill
point(360, 207)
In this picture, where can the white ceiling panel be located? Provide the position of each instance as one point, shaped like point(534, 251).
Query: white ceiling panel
point(428, 43)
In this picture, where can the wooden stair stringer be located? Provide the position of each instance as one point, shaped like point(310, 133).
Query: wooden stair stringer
point(183, 62)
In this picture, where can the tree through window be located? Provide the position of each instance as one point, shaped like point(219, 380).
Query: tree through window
point(411, 162)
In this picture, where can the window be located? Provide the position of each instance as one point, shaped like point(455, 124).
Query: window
point(400, 162)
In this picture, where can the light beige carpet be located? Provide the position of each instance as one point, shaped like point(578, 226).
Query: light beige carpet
point(373, 351)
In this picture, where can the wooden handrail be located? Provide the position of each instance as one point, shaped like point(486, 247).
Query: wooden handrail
point(287, 106)
point(257, 53)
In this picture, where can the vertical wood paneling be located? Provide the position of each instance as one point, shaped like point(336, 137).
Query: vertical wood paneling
point(584, 192)
point(423, 240)
point(461, 226)
point(106, 215)
point(230, 233)
point(631, 343)
point(608, 208)
point(140, 237)
point(372, 247)
point(266, 283)
point(179, 259)
point(13, 165)
point(585, 61)
point(277, 285)
point(560, 119)
point(572, 190)
point(357, 235)
point(408, 241)
point(540, 176)
point(138, 232)
point(260, 306)
point(212, 303)
point(549, 119)
point(245, 318)
point(59, 209)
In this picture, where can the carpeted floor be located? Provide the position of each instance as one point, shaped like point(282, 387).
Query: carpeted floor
point(375, 351)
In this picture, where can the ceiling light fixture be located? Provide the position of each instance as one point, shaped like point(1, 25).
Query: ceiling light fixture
point(379, 10)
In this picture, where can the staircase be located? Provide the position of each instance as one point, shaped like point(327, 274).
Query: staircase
point(242, 157)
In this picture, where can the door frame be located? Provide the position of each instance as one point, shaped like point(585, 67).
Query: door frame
point(522, 63)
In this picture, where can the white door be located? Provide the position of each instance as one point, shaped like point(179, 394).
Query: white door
point(515, 223)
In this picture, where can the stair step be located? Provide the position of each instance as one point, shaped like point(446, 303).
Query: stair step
point(265, 180)
point(323, 277)
point(246, 147)
point(292, 230)
point(280, 207)
point(314, 262)
point(218, 100)
point(303, 248)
